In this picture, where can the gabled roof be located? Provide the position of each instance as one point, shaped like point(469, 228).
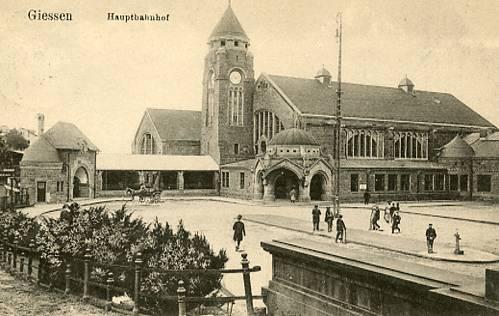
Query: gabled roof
point(309, 96)
point(176, 124)
point(64, 135)
point(486, 148)
point(229, 26)
point(155, 162)
point(457, 148)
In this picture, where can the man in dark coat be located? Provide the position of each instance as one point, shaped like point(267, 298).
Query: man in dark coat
point(340, 229)
point(395, 222)
point(239, 231)
point(329, 219)
point(367, 197)
point(431, 234)
point(316, 217)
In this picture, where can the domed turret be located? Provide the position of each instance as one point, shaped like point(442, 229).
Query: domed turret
point(323, 75)
point(456, 148)
point(294, 143)
point(406, 84)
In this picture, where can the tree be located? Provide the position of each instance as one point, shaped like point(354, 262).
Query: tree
point(15, 140)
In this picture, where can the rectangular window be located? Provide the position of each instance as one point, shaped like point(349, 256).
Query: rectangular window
point(236, 149)
point(354, 182)
point(453, 182)
point(428, 182)
point(379, 182)
point(439, 182)
point(484, 183)
point(241, 180)
point(405, 182)
point(392, 182)
point(463, 182)
point(225, 179)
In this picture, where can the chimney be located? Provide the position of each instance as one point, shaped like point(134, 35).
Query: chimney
point(40, 117)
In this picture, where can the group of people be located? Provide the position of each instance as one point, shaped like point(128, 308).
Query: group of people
point(391, 215)
point(329, 219)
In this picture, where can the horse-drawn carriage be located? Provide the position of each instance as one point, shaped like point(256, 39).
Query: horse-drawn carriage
point(153, 194)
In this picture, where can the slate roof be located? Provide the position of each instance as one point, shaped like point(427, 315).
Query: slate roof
point(64, 135)
point(457, 148)
point(176, 124)
point(155, 162)
point(229, 26)
point(486, 148)
point(293, 136)
point(243, 164)
point(471, 138)
point(41, 151)
point(376, 102)
point(390, 164)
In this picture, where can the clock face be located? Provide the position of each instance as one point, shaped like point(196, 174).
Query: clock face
point(235, 77)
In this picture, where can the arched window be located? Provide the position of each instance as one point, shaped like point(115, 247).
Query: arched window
point(236, 99)
point(408, 145)
point(148, 145)
point(266, 124)
point(210, 99)
point(364, 144)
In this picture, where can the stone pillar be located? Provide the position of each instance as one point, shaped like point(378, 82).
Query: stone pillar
point(180, 180)
point(268, 192)
point(304, 191)
point(258, 188)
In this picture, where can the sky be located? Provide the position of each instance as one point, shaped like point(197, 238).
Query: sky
point(101, 75)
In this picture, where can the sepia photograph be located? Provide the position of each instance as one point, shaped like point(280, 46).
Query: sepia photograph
point(249, 158)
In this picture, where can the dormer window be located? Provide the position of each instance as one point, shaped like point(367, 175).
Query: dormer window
point(236, 43)
point(222, 43)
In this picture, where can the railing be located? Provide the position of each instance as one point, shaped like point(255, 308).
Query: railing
point(14, 200)
point(25, 262)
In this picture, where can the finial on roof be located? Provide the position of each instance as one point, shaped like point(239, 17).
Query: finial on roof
point(230, 2)
point(406, 84)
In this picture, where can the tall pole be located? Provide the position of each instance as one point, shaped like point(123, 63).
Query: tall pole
point(338, 114)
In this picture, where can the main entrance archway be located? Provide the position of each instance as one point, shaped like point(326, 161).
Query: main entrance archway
point(80, 183)
point(285, 181)
point(318, 187)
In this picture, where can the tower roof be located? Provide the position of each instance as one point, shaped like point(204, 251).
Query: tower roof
point(323, 72)
point(229, 26)
point(293, 136)
point(406, 82)
point(457, 148)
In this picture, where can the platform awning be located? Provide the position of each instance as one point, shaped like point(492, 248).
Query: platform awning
point(155, 162)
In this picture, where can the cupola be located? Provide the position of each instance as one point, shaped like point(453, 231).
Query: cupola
point(323, 76)
point(294, 143)
point(406, 85)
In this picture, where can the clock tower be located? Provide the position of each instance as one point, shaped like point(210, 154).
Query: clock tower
point(228, 83)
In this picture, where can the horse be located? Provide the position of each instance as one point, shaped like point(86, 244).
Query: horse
point(152, 193)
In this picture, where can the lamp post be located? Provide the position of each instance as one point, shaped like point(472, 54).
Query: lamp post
point(338, 114)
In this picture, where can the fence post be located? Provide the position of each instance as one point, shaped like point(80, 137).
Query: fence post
point(21, 262)
point(30, 257)
point(247, 284)
point(138, 263)
point(182, 310)
point(67, 290)
point(14, 255)
point(109, 298)
point(86, 272)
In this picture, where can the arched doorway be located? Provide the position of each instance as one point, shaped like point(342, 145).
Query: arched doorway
point(318, 187)
point(80, 183)
point(258, 192)
point(285, 181)
point(263, 147)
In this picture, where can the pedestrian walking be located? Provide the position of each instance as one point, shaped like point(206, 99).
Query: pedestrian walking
point(387, 216)
point(292, 195)
point(239, 231)
point(341, 229)
point(431, 234)
point(396, 222)
point(316, 216)
point(329, 219)
point(367, 197)
point(375, 216)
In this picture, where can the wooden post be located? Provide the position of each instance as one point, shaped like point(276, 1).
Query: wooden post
point(247, 284)
point(21, 262)
point(109, 297)
point(138, 264)
point(182, 310)
point(67, 290)
point(86, 274)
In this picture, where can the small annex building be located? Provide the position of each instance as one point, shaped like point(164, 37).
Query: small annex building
point(60, 165)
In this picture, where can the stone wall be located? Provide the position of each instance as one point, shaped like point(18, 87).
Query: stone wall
point(182, 147)
point(146, 127)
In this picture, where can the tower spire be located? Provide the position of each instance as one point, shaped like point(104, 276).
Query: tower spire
point(230, 2)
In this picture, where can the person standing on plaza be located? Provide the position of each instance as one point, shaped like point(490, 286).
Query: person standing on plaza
point(292, 195)
point(329, 219)
point(395, 222)
point(239, 231)
point(375, 215)
point(431, 234)
point(367, 197)
point(341, 229)
point(316, 216)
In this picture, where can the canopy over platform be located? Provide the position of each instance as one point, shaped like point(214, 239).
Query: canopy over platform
point(155, 162)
